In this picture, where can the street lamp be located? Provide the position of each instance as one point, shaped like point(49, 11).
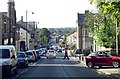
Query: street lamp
point(27, 28)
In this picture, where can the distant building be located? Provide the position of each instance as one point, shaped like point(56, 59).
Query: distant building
point(30, 38)
point(72, 39)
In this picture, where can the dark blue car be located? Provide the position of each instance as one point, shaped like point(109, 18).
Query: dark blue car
point(22, 59)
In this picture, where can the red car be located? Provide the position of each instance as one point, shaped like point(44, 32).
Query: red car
point(102, 58)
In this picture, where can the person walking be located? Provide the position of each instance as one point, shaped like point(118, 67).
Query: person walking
point(66, 54)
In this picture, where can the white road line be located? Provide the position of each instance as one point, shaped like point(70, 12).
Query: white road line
point(24, 71)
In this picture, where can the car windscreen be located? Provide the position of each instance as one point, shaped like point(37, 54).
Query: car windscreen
point(4, 53)
point(28, 53)
point(20, 55)
point(59, 49)
point(93, 54)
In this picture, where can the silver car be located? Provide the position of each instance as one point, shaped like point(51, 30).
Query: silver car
point(30, 56)
point(51, 54)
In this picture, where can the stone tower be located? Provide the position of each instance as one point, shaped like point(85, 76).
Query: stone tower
point(12, 22)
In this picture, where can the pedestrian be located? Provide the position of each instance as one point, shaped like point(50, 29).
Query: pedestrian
point(66, 54)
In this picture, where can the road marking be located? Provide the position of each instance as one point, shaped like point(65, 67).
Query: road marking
point(24, 71)
point(20, 73)
point(55, 65)
point(33, 64)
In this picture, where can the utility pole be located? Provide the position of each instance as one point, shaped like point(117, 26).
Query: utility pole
point(26, 32)
point(27, 41)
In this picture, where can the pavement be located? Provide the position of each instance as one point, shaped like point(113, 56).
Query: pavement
point(109, 71)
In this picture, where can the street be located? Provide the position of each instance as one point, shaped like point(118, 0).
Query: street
point(58, 68)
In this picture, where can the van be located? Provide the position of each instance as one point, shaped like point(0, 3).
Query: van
point(8, 60)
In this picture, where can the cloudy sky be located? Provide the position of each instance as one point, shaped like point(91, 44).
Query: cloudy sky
point(49, 13)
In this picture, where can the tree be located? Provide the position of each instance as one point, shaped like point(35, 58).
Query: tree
point(44, 35)
point(109, 13)
point(71, 46)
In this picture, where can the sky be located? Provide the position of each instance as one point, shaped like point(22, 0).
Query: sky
point(49, 13)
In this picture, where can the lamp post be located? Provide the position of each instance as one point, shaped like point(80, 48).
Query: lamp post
point(27, 28)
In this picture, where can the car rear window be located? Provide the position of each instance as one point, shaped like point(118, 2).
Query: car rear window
point(28, 53)
point(20, 55)
point(40, 50)
point(4, 53)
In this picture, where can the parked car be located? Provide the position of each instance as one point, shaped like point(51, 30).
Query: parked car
point(102, 58)
point(38, 55)
point(35, 54)
point(41, 52)
point(22, 59)
point(44, 50)
point(51, 54)
point(30, 56)
point(8, 60)
point(77, 52)
point(59, 50)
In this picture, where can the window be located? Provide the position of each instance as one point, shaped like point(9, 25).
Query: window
point(28, 53)
point(86, 33)
point(92, 54)
point(20, 55)
point(5, 26)
point(4, 53)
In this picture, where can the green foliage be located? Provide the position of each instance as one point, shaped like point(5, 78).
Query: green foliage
point(44, 35)
point(71, 47)
point(106, 37)
point(62, 31)
point(109, 11)
point(64, 39)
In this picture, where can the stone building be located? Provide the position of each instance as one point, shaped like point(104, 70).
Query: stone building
point(83, 39)
point(7, 25)
point(31, 36)
point(4, 28)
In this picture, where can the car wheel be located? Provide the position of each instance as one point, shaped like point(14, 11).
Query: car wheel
point(115, 64)
point(90, 65)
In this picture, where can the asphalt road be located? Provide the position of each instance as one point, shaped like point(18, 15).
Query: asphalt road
point(58, 69)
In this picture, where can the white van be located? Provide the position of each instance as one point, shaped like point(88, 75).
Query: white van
point(8, 60)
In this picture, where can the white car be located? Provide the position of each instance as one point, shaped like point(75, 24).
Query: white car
point(51, 54)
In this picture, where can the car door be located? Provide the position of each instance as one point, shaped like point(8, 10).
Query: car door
point(100, 58)
point(107, 59)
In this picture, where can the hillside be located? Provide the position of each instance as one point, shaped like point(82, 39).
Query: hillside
point(62, 31)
